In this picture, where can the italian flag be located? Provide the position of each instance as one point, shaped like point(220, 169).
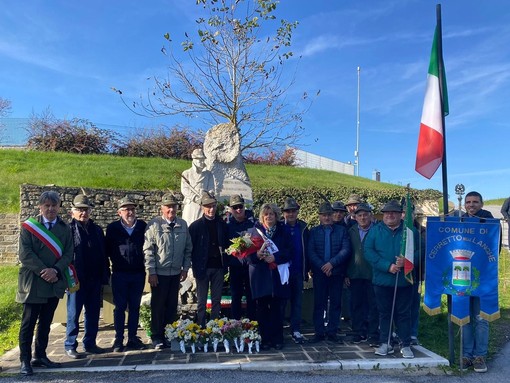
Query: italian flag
point(407, 245)
point(430, 142)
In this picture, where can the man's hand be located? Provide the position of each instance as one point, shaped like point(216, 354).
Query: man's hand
point(49, 275)
point(153, 280)
point(184, 275)
point(347, 281)
point(326, 269)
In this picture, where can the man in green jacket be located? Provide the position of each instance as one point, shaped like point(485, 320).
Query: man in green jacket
point(45, 252)
point(392, 290)
point(364, 314)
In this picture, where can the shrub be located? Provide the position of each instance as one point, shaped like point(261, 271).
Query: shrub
point(72, 136)
point(272, 157)
point(173, 143)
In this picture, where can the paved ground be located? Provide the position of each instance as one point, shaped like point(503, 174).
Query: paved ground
point(307, 357)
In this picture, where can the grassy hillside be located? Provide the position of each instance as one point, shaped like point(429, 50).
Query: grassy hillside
point(103, 171)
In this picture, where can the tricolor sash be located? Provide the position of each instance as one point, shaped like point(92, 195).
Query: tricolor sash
point(55, 246)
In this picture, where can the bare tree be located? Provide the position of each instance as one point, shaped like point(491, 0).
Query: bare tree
point(234, 74)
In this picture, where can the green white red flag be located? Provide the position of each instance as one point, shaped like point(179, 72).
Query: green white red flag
point(407, 245)
point(430, 142)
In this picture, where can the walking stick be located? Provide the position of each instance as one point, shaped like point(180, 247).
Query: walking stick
point(393, 306)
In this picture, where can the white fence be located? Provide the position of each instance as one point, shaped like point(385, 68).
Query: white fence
point(309, 160)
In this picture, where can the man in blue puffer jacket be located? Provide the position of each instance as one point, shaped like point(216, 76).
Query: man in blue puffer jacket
point(329, 251)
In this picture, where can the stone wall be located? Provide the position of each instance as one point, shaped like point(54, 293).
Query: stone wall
point(9, 235)
point(104, 211)
point(104, 200)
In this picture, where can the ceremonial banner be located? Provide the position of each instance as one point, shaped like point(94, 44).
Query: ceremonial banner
point(462, 261)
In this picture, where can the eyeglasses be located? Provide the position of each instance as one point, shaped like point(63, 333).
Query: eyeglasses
point(237, 207)
point(127, 209)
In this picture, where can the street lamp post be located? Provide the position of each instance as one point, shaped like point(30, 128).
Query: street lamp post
point(459, 190)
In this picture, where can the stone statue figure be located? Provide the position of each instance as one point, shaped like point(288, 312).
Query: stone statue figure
point(222, 148)
point(193, 181)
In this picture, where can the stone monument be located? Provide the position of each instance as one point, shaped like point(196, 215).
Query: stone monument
point(222, 148)
point(193, 181)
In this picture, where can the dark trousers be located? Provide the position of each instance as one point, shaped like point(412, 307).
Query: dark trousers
point(269, 316)
point(323, 288)
point(42, 313)
point(239, 287)
point(401, 315)
point(296, 301)
point(364, 314)
point(127, 289)
point(163, 304)
point(212, 282)
point(88, 297)
point(415, 309)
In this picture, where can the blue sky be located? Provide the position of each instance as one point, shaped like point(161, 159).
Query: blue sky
point(66, 55)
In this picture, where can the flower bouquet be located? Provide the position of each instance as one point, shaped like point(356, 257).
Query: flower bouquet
point(185, 331)
point(231, 331)
point(247, 243)
point(250, 335)
point(214, 329)
point(204, 338)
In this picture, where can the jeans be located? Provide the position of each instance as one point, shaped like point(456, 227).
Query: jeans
point(296, 299)
point(323, 288)
point(239, 286)
point(88, 296)
point(163, 304)
point(214, 279)
point(475, 337)
point(401, 313)
point(364, 314)
point(127, 289)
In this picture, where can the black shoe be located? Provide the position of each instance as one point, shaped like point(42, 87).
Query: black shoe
point(74, 354)
point(26, 369)
point(95, 350)
point(118, 346)
point(333, 338)
point(318, 338)
point(373, 342)
point(45, 362)
point(135, 343)
point(356, 339)
point(278, 346)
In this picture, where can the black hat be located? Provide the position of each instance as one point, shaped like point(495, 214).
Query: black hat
point(325, 208)
point(338, 206)
point(392, 205)
point(290, 204)
point(363, 207)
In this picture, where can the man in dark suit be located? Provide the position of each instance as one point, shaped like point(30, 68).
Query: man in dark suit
point(45, 252)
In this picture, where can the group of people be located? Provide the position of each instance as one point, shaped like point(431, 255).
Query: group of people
point(348, 248)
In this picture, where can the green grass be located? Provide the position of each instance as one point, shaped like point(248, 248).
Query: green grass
point(10, 311)
point(103, 171)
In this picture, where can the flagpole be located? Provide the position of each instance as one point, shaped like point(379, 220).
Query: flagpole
point(439, 48)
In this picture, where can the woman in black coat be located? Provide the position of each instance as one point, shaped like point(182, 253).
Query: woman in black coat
point(266, 273)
